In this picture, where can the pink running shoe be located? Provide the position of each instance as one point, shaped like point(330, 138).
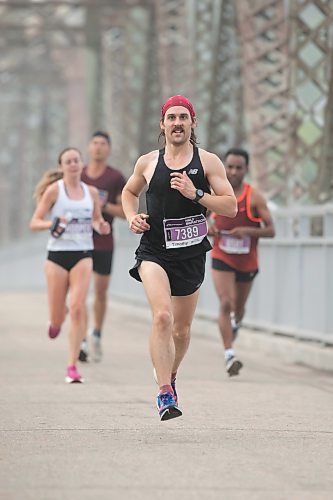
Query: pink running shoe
point(73, 377)
point(54, 331)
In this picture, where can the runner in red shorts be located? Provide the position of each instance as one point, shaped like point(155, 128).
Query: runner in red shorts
point(234, 254)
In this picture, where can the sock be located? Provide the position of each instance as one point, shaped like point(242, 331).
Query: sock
point(173, 376)
point(165, 388)
point(229, 353)
point(97, 333)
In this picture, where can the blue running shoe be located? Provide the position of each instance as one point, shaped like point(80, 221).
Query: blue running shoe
point(167, 407)
point(173, 385)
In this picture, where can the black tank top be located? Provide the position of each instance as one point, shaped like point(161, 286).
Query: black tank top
point(163, 202)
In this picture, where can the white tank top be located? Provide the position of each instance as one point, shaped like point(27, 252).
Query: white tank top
point(78, 233)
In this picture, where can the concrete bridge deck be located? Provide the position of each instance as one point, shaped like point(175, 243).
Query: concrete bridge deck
point(266, 435)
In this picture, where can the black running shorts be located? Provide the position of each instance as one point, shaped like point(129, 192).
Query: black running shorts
point(185, 276)
point(241, 276)
point(102, 262)
point(67, 259)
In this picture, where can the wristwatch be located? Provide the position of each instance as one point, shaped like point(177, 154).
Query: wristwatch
point(198, 195)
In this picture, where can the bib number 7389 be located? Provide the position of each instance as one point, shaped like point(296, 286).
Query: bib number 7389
point(184, 232)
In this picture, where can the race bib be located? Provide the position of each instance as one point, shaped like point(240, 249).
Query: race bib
point(78, 228)
point(230, 244)
point(184, 232)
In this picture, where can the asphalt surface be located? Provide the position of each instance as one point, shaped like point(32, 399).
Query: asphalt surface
point(265, 435)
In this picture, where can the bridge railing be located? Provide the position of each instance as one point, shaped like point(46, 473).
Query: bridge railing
point(293, 292)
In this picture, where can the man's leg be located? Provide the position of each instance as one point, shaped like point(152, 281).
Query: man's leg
point(101, 283)
point(162, 348)
point(243, 289)
point(183, 312)
point(224, 282)
point(102, 262)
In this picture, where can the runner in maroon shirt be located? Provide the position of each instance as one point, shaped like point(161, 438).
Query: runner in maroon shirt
point(109, 183)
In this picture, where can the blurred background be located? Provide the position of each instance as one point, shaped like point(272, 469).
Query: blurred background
point(259, 73)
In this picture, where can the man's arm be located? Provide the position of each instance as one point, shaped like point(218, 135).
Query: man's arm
point(130, 198)
point(267, 230)
point(116, 209)
point(223, 201)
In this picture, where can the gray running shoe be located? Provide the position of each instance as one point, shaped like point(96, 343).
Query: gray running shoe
point(96, 347)
point(233, 366)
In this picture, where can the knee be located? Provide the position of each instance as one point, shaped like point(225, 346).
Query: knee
point(100, 294)
point(226, 305)
point(181, 332)
point(77, 311)
point(163, 319)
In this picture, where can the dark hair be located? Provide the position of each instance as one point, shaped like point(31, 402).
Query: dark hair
point(101, 133)
point(238, 152)
point(65, 151)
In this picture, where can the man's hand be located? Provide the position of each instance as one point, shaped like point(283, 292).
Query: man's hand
point(212, 229)
point(104, 227)
point(138, 223)
point(182, 183)
point(239, 232)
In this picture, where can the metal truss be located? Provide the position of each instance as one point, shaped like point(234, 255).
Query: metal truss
point(265, 66)
point(225, 127)
point(311, 39)
point(176, 65)
point(259, 73)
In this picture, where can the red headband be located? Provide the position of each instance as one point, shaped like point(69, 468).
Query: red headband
point(177, 100)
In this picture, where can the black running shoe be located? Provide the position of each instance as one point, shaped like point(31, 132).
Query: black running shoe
point(83, 355)
point(233, 366)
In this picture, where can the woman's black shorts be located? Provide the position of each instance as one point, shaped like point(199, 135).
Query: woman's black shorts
point(68, 259)
point(185, 276)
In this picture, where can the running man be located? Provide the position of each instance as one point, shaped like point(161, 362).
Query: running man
point(234, 254)
point(109, 183)
point(74, 210)
point(170, 259)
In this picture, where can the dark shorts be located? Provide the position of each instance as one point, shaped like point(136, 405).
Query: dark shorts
point(241, 276)
point(68, 259)
point(102, 261)
point(185, 276)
